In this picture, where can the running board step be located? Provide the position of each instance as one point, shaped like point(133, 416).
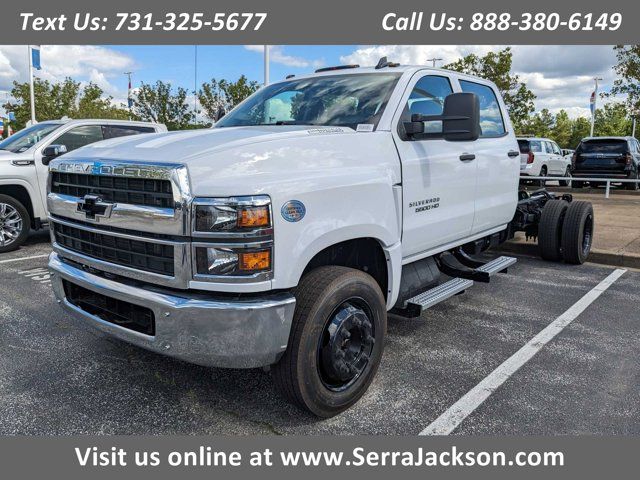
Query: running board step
point(500, 264)
point(433, 296)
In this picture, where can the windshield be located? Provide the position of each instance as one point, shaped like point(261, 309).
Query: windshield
point(332, 100)
point(27, 138)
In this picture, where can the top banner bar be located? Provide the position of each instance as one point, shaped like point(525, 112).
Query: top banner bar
point(327, 22)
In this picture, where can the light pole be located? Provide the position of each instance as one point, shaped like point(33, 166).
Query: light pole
point(266, 65)
point(433, 61)
point(595, 103)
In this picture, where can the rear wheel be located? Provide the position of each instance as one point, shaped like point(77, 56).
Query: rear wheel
point(336, 341)
point(633, 186)
point(543, 173)
point(550, 229)
point(14, 224)
point(577, 232)
point(567, 178)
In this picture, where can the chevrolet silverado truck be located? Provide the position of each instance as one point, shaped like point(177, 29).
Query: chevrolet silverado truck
point(24, 166)
point(283, 236)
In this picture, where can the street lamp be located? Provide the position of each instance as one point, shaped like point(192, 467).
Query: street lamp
point(433, 61)
point(595, 102)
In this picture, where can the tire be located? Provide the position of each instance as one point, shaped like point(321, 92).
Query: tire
point(307, 374)
point(566, 183)
point(577, 232)
point(632, 186)
point(15, 224)
point(543, 173)
point(550, 229)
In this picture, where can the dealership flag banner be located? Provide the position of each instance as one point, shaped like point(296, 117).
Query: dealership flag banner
point(35, 57)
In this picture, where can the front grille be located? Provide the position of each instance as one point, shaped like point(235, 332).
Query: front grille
point(135, 191)
point(121, 313)
point(147, 256)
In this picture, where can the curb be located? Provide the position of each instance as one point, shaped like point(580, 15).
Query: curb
point(604, 257)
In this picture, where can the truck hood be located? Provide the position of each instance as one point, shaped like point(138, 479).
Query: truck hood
point(257, 160)
point(183, 146)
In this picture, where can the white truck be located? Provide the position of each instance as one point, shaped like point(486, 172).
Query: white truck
point(24, 160)
point(282, 237)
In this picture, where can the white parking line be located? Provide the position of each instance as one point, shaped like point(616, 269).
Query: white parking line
point(23, 258)
point(449, 420)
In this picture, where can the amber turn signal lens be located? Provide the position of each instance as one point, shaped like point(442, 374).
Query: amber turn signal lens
point(255, 260)
point(254, 217)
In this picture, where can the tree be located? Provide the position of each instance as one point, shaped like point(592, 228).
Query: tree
point(52, 100)
point(612, 120)
point(580, 128)
point(219, 96)
point(93, 104)
point(63, 99)
point(539, 125)
point(628, 69)
point(497, 68)
point(159, 103)
point(561, 131)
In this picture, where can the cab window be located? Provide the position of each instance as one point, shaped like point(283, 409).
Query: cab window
point(115, 131)
point(491, 121)
point(79, 137)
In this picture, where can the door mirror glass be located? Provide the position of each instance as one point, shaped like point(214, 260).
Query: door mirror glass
point(459, 121)
point(51, 152)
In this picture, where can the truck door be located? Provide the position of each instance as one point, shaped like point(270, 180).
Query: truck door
point(438, 180)
point(498, 162)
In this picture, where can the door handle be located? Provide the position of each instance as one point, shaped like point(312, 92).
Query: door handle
point(513, 153)
point(467, 157)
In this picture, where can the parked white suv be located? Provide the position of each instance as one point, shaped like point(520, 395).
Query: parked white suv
point(24, 160)
point(542, 157)
point(282, 236)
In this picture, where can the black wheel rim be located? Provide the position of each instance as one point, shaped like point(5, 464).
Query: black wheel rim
point(587, 235)
point(346, 345)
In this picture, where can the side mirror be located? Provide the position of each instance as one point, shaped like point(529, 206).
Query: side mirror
point(51, 152)
point(460, 119)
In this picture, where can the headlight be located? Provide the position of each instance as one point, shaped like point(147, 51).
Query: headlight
point(232, 215)
point(232, 261)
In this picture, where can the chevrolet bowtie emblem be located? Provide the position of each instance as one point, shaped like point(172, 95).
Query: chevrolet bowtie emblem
point(94, 208)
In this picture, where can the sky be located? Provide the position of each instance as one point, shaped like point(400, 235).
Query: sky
point(561, 76)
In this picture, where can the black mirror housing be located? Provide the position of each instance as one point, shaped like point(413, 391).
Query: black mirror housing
point(52, 151)
point(460, 119)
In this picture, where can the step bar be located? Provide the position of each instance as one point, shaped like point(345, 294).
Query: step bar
point(427, 299)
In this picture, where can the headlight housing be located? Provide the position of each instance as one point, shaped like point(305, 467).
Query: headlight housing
point(234, 215)
point(233, 239)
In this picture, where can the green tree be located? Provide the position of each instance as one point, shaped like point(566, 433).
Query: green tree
point(497, 68)
point(52, 100)
point(539, 125)
point(612, 120)
point(561, 131)
point(93, 104)
point(628, 70)
point(580, 128)
point(160, 103)
point(219, 96)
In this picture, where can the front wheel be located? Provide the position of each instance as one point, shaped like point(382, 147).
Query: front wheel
point(336, 341)
point(14, 224)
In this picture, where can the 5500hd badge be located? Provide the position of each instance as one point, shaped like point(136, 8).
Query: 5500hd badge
point(426, 204)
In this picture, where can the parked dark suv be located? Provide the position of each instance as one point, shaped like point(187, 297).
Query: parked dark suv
point(607, 157)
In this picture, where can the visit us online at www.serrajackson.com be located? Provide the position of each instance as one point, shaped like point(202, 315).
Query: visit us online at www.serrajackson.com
point(205, 456)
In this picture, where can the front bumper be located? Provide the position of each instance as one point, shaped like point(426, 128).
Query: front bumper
point(239, 332)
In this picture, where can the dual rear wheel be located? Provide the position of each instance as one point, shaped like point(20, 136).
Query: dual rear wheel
point(565, 231)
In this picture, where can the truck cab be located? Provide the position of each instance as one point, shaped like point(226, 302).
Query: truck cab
point(282, 237)
point(24, 167)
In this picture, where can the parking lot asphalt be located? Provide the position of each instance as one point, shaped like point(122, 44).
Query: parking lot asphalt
point(60, 377)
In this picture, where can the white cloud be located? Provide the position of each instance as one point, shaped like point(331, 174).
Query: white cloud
point(277, 55)
point(561, 76)
point(88, 63)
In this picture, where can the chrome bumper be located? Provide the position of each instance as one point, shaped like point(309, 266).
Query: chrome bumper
point(219, 332)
